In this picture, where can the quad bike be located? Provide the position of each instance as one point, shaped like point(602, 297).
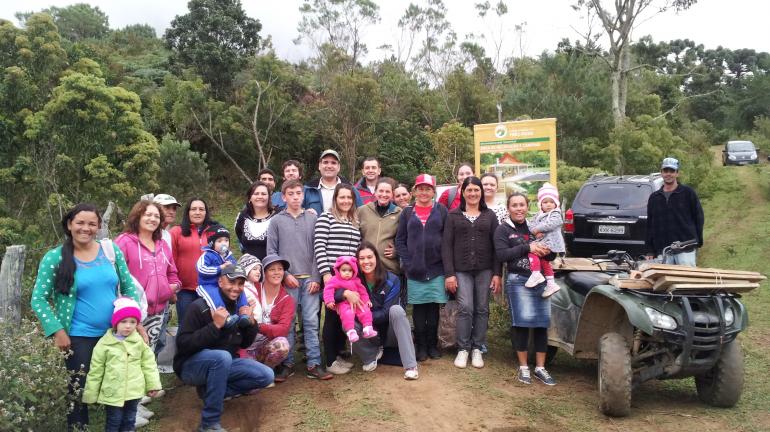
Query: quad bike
point(640, 335)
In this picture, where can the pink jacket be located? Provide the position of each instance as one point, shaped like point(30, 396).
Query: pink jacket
point(156, 272)
point(352, 284)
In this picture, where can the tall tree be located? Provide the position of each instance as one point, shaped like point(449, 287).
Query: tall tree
point(215, 38)
point(618, 20)
point(76, 22)
point(338, 23)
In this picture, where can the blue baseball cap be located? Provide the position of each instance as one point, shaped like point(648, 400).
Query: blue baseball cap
point(670, 162)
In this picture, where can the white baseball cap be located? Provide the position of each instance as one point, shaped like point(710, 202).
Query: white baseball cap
point(165, 199)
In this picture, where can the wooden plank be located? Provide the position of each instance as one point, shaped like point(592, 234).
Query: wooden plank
point(628, 283)
point(661, 283)
point(650, 266)
point(11, 271)
point(658, 273)
point(743, 287)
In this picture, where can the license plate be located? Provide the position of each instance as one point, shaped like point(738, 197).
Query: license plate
point(611, 229)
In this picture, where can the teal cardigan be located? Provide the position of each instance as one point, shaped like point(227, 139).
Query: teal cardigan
point(60, 316)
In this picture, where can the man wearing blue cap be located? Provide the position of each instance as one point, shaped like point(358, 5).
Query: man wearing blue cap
point(674, 214)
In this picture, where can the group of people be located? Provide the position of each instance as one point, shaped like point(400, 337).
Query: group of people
point(362, 252)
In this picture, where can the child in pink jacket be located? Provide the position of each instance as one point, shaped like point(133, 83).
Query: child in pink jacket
point(346, 278)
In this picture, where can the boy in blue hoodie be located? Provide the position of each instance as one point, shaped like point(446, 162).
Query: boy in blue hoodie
point(216, 256)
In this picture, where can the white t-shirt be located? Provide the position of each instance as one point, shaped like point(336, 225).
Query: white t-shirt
point(327, 194)
point(166, 236)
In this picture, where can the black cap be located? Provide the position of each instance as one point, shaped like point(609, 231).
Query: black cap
point(234, 272)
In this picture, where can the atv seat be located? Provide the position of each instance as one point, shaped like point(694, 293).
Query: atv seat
point(582, 281)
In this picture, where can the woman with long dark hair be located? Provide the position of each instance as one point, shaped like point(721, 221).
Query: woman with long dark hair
point(73, 296)
point(187, 239)
point(529, 310)
point(336, 234)
point(471, 268)
point(252, 222)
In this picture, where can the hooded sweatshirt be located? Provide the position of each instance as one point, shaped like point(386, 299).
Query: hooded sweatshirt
point(337, 283)
point(209, 266)
point(156, 271)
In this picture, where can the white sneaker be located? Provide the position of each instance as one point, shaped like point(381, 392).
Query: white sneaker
point(342, 362)
point(338, 368)
point(550, 289)
point(140, 421)
point(380, 352)
point(145, 400)
point(411, 374)
point(476, 360)
point(461, 360)
point(143, 412)
point(535, 279)
point(370, 367)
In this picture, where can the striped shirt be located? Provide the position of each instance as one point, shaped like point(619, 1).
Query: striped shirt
point(333, 239)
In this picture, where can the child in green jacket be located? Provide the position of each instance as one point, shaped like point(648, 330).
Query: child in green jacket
point(123, 369)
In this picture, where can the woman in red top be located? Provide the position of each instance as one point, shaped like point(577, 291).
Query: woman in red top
point(463, 171)
point(187, 240)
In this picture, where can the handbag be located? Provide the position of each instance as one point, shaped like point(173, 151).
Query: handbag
point(447, 324)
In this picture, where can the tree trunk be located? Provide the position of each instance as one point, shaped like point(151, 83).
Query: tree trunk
point(10, 284)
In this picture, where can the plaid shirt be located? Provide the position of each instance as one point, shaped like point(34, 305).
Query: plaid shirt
point(678, 218)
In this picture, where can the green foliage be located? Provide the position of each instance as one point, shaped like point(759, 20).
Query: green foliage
point(760, 136)
point(75, 22)
point(452, 145)
point(33, 380)
point(405, 150)
point(215, 38)
point(182, 171)
point(570, 179)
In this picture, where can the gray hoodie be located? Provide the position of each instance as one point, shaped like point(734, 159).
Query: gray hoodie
point(292, 239)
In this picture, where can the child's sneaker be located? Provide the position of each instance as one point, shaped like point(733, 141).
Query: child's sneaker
point(231, 321)
point(344, 363)
point(550, 288)
point(352, 336)
point(523, 375)
point(369, 332)
point(535, 279)
point(244, 322)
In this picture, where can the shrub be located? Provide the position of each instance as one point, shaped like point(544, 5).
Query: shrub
point(33, 380)
point(182, 170)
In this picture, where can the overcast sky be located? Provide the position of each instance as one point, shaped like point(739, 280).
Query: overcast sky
point(732, 24)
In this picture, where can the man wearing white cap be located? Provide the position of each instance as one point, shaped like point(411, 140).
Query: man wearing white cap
point(674, 214)
point(169, 205)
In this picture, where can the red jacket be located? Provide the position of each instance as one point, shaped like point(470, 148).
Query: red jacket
point(444, 199)
point(186, 251)
point(281, 316)
point(363, 191)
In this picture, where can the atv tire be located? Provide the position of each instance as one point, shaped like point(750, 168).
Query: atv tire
point(723, 384)
point(615, 375)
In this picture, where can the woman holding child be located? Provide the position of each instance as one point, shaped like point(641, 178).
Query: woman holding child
point(529, 310)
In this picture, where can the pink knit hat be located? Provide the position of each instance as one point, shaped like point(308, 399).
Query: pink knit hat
point(125, 307)
point(547, 191)
point(350, 260)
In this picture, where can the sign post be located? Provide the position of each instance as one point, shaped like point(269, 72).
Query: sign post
point(521, 153)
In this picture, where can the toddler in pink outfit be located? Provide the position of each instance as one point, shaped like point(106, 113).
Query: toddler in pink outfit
point(346, 278)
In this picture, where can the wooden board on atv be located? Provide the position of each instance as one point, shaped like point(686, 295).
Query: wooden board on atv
point(668, 278)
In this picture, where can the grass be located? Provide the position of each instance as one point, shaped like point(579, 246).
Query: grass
point(311, 416)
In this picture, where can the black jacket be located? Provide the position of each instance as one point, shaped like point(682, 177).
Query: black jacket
point(677, 219)
point(383, 296)
point(198, 332)
point(512, 246)
point(467, 246)
point(420, 246)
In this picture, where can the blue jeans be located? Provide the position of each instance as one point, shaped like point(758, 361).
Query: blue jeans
point(473, 301)
point(683, 258)
point(183, 299)
point(218, 375)
point(311, 305)
point(120, 419)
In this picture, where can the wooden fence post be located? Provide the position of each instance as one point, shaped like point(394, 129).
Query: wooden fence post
point(11, 271)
